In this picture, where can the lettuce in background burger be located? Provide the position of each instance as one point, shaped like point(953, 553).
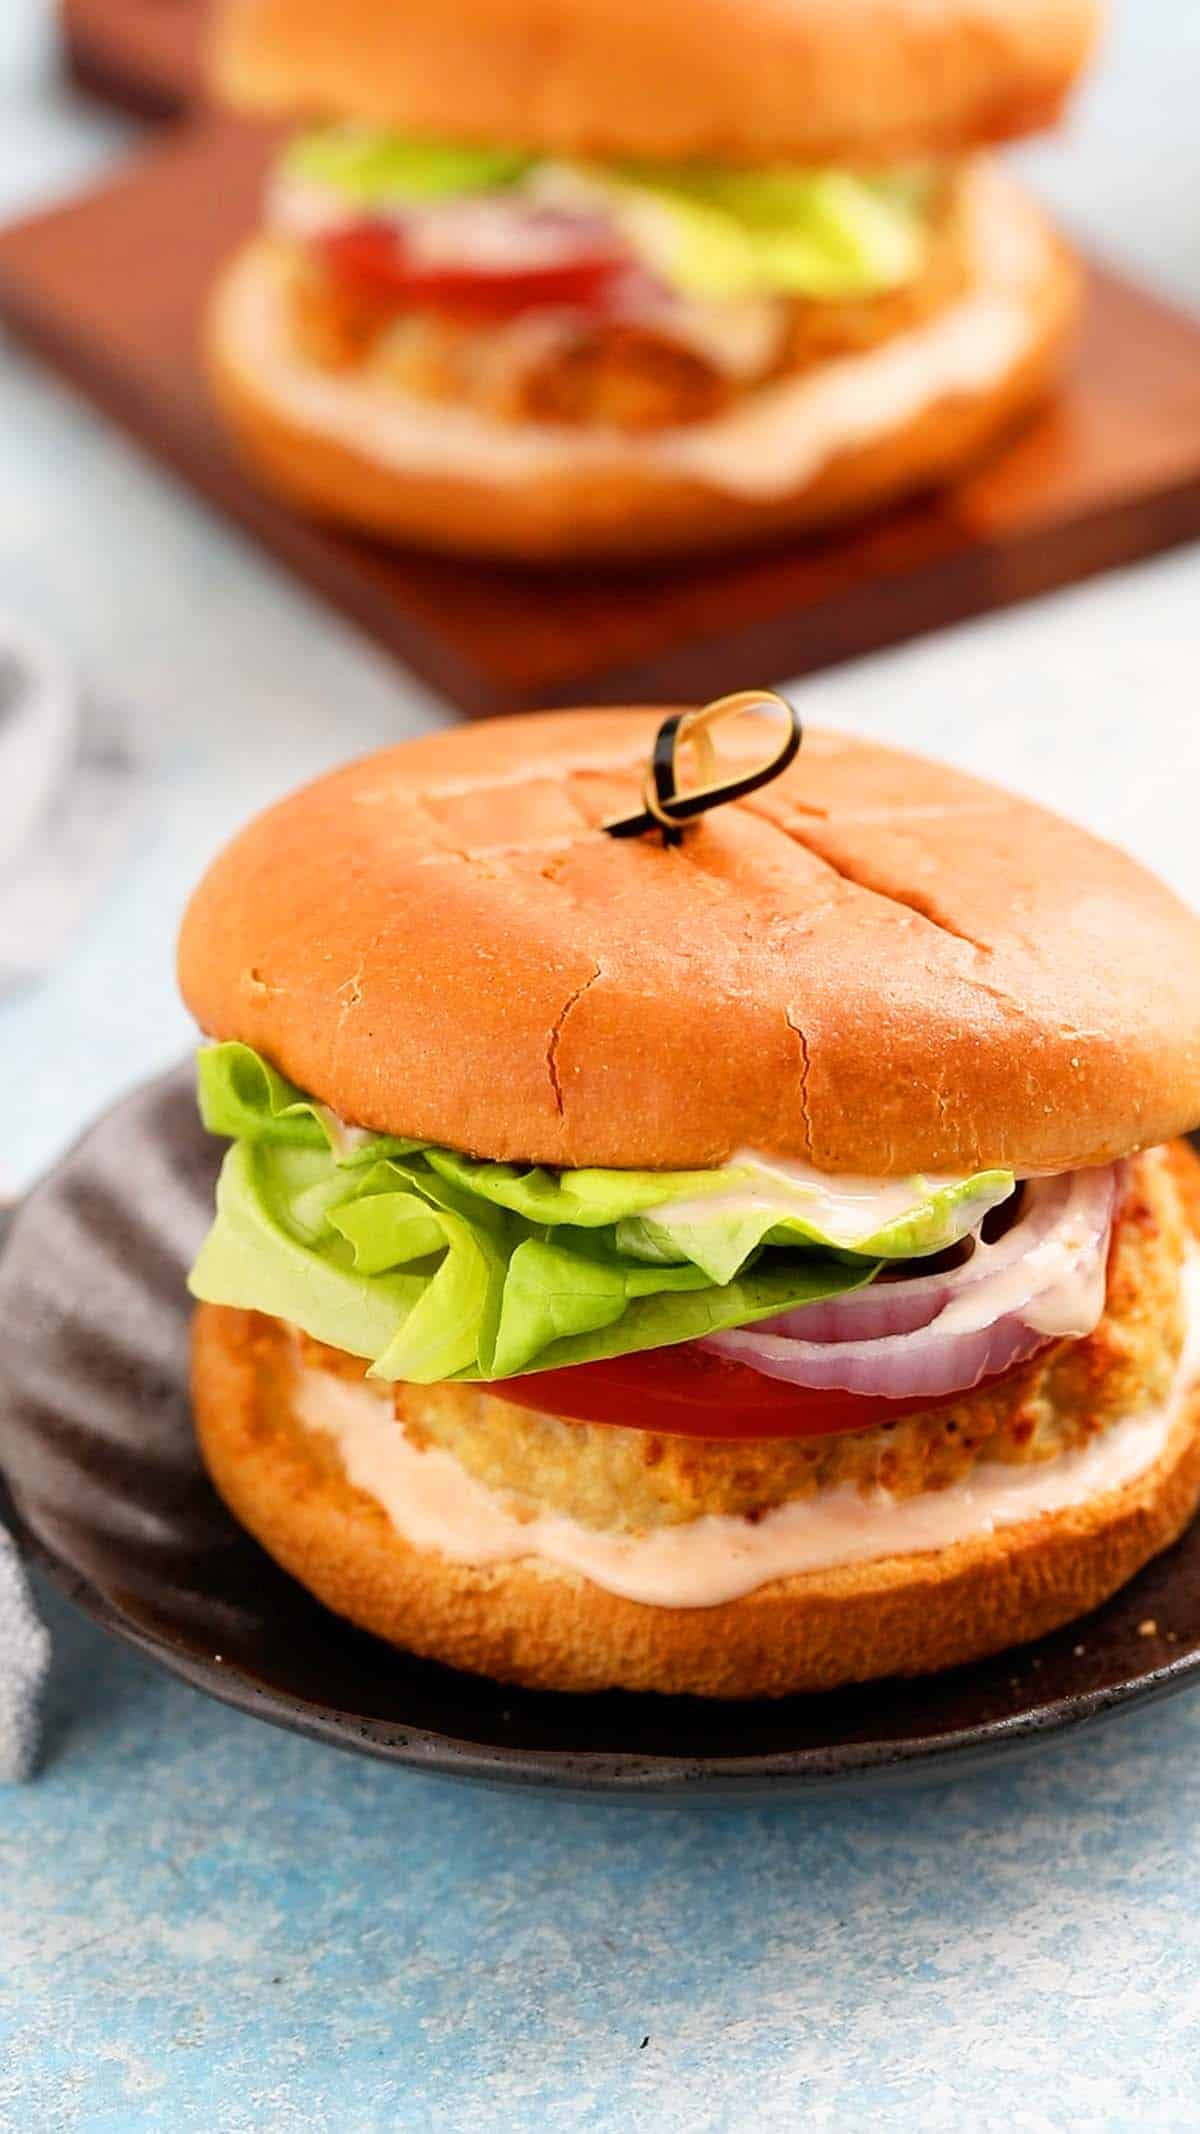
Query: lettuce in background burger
point(739, 1266)
point(554, 281)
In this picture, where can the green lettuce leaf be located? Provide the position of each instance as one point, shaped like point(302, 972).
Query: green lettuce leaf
point(722, 235)
point(374, 1250)
point(434, 1266)
point(563, 1312)
point(711, 233)
point(375, 169)
point(242, 1098)
point(719, 1219)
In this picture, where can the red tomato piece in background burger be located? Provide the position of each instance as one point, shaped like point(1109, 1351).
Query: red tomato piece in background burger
point(380, 259)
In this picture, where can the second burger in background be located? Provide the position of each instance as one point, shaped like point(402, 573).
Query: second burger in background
point(584, 280)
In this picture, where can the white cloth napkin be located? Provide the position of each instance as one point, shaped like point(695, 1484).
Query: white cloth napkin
point(24, 1665)
point(71, 785)
point(72, 782)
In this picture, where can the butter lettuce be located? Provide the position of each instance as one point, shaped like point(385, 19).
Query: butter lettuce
point(722, 235)
point(241, 1095)
point(719, 1219)
point(434, 1266)
point(711, 233)
point(377, 170)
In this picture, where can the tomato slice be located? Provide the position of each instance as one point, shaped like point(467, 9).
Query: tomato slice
point(692, 1392)
point(376, 258)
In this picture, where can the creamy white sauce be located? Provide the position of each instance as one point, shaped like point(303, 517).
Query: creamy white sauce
point(772, 441)
point(434, 1504)
point(1073, 1304)
point(484, 235)
point(843, 1206)
point(1056, 1285)
point(343, 1140)
point(1058, 1288)
point(298, 207)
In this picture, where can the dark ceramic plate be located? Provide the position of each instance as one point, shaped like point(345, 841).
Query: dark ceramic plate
point(107, 1493)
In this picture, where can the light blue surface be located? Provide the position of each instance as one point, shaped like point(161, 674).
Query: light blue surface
point(209, 1928)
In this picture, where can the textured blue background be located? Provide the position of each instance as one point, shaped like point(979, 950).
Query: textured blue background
point(209, 1928)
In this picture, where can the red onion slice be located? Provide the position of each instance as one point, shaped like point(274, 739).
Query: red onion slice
point(1044, 1279)
point(901, 1304)
point(486, 236)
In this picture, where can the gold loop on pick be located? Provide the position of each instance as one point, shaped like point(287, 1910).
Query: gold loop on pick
point(664, 806)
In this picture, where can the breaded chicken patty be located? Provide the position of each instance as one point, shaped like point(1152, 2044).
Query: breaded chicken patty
point(608, 1476)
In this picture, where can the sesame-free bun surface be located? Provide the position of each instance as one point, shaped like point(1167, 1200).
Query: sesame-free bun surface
point(523, 1621)
point(837, 440)
point(748, 81)
point(876, 963)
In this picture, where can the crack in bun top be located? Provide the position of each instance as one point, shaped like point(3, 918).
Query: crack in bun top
point(876, 963)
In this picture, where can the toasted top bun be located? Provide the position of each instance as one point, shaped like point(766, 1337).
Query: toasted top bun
point(874, 963)
point(747, 81)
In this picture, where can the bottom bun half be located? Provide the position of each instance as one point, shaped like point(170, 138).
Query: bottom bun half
point(527, 1621)
point(826, 444)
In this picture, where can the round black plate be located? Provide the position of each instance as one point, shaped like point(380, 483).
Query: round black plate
point(109, 1496)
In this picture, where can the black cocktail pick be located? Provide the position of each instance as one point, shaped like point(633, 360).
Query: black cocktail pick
point(668, 809)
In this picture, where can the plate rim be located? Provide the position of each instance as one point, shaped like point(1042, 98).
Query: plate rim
point(612, 1773)
point(615, 1773)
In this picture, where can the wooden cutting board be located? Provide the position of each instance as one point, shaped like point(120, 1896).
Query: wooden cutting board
point(111, 287)
point(142, 54)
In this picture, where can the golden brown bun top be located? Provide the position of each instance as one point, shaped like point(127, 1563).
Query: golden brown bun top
point(743, 80)
point(875, 963)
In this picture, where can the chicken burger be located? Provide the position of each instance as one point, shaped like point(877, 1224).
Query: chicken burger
point(743, 1256)
point(563, 279)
